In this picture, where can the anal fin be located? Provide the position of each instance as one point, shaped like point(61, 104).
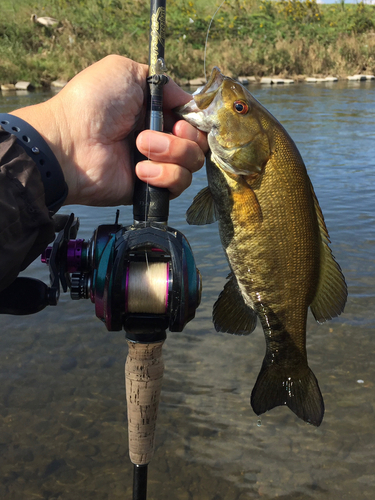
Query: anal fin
point(230, 312)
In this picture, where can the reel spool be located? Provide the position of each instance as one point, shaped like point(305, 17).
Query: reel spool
point(147, 287)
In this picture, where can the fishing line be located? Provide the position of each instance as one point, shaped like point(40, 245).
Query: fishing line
point(147, 195)
point(208, 32)
point(147, 182)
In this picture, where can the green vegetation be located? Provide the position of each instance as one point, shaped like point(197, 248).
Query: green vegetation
point(247, 37)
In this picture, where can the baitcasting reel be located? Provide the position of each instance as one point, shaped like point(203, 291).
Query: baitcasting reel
point(141, 279)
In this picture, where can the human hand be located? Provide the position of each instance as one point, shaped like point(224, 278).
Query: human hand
point(90, 126)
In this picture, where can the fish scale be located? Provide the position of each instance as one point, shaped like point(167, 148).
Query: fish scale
point(274, 236)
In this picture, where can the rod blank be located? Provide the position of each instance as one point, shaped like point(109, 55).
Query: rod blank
point(140, 482)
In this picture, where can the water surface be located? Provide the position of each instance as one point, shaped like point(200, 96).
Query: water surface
point(63, 431)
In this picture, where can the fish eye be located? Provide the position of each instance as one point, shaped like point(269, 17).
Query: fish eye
point(241, 107)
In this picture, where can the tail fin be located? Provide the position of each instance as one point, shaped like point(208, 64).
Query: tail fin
point(275, 387)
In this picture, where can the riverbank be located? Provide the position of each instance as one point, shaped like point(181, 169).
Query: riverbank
point(286, 39)
point(23, 87)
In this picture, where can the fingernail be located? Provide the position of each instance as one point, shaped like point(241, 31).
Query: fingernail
point(148, 169)
point(154, 143)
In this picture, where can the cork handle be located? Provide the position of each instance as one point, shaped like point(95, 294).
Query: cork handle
point(143, 378)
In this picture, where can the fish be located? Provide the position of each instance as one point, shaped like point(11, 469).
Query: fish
point(275, 238)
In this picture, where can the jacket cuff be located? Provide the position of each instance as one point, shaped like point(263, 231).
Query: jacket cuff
point(26, 226)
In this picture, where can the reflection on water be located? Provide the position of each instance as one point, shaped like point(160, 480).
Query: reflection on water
point(62, 412)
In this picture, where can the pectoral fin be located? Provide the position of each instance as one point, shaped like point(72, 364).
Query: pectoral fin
point(332, 292)
point(246, 211)
point(202, 210)
point(230, 313)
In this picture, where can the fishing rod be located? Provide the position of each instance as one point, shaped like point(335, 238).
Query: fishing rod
point(152, 203)
point(144, 366)
point(141, 278)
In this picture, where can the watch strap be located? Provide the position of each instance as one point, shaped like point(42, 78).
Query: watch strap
point(55, 187)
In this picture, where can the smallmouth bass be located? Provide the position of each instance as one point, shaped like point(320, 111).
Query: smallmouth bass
point(275, 238)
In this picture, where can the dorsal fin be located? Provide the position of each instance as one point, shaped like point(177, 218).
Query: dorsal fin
point(230, 313)
point(331, 294)
point(202, 210)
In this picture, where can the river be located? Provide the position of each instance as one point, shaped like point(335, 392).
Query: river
point(63, 430)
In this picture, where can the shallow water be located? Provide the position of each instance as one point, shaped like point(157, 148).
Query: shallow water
point(63, 431)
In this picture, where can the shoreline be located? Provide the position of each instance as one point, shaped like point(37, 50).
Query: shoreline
point(25, 86)
point(277, 80)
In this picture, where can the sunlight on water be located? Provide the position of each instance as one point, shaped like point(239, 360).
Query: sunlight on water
point(62, 411)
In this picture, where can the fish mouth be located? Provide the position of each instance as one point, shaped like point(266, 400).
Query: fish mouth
point(203, 96)
point(213, 83)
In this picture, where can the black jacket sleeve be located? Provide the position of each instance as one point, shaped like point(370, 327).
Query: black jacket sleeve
point(26, 227)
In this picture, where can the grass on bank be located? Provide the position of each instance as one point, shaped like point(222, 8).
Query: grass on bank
point(252, 37)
